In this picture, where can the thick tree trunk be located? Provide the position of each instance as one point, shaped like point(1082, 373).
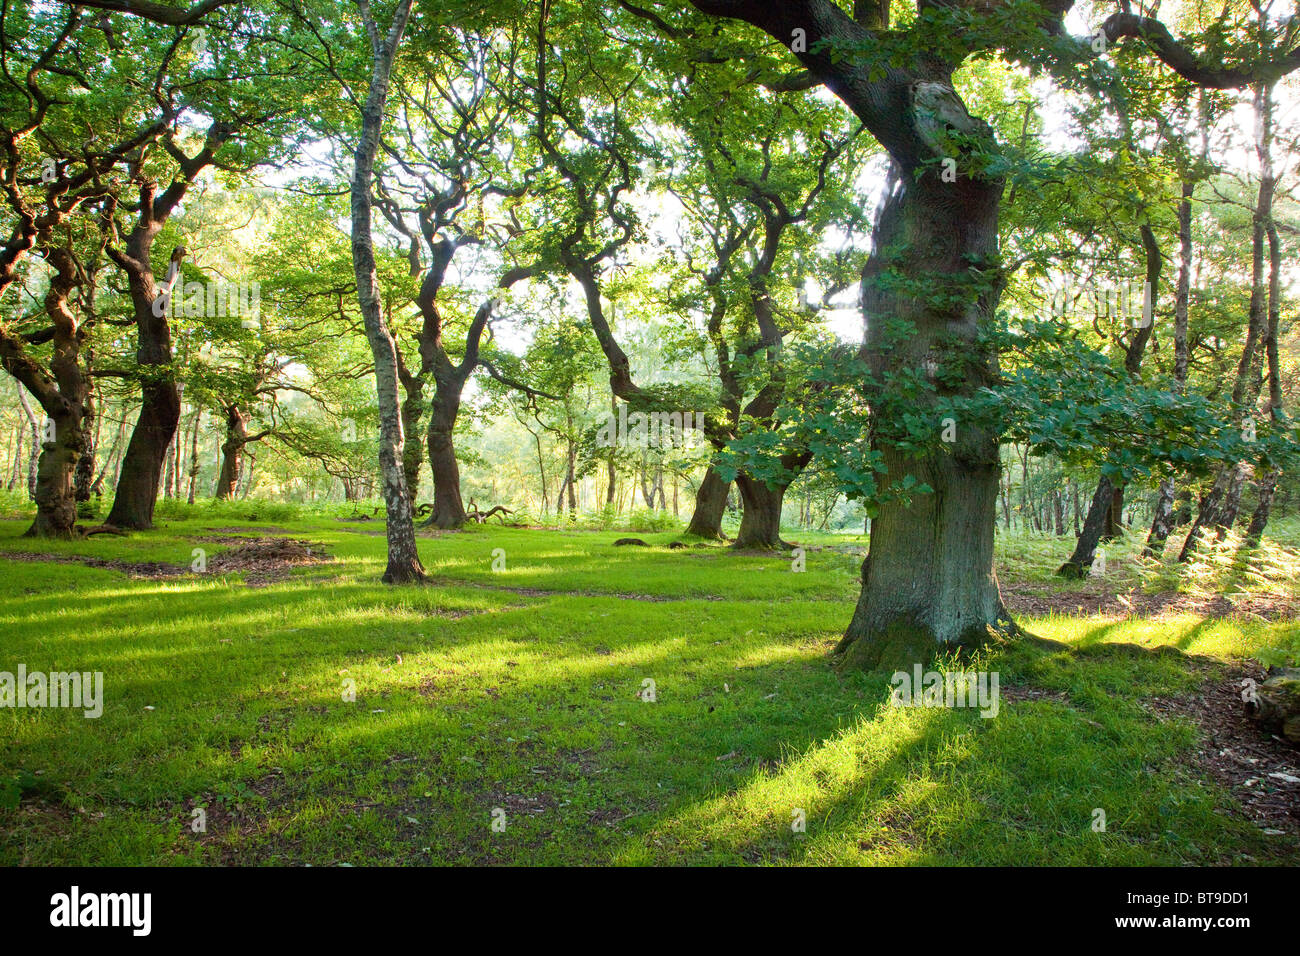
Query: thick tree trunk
point(760, 523)
point(710, 506)
point(62, 392)
point(1115, 515)
point(928, 582)
point(412, 412)
point(141, 466)
point(448, 508)
point(56, 505)
point(160, 409)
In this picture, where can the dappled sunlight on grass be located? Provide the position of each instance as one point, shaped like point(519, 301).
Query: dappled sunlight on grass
point(470, 697)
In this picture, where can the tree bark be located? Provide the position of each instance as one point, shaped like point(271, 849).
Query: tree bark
point(141, 467)
point(710, 506)
point(1079, 564)
point(194, 455)
point(412, 412)
point(1105, 519)
point(1268, 483)
point(1259, 519)
point(1247, 383)
point(403, 556)
point(232, 453)
point(62, 393)
point(928, 582)
point(1162, 524)
point(34, 452)
point(448, 508)
point(1232, 500)
point(760, 522)
point(16, 469)
point(84, 476)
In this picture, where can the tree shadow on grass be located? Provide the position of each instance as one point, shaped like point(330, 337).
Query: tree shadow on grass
point(539, 711)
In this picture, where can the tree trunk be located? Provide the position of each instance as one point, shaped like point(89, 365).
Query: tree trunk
point(1100, 513)
point(194, 455)
point(62, 393)
point(1114, 524)
point(56, 505)
point(1162, 524)
point(928, 582)
point(569, 477)
point(760, 523)
point(412, 412)
point(170, 463)
point(84, 477)
point(160, 410)
point(710, 506)
point(1268, 484)
point(1105, 520)
point(1259, 520)
point(1232, 500)
point(1208, 512)
point(16, 469)
point(448, 509)
point(34, 453)
point(403, 556)
point(141, 466)
point(1222, 498)
point(232, 453)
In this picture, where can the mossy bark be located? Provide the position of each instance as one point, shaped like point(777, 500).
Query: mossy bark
point(760, 522)
point(928, 584)
point(710, 506)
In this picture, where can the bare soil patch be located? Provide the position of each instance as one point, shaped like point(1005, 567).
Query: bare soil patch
point(152, 570)
point(1261, 770)
point(261, 560)
point(267, 560)
point(1034, 599)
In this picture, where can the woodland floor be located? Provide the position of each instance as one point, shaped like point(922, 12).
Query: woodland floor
point(518, 691)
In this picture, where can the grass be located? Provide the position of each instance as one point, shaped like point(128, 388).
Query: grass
point(520, 690)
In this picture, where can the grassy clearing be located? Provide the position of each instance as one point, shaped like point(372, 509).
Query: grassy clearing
point(519, 690)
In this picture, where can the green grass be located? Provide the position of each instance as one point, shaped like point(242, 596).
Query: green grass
point(518, 690)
